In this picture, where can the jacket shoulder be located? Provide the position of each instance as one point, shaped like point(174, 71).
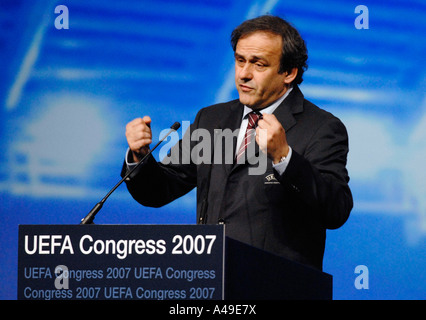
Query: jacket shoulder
point(317, 117)
point(217, 114)
point(220, 107)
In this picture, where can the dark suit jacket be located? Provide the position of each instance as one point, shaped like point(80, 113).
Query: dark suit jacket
point(284, 214)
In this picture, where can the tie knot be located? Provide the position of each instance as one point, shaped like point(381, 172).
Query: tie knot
point(253, 118)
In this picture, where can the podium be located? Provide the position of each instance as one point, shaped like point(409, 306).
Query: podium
point(252, 273)
point(156, 262)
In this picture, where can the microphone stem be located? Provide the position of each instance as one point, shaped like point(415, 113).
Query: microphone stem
point(91, 215)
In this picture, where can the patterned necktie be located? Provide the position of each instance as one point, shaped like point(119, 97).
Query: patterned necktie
point(253, 118)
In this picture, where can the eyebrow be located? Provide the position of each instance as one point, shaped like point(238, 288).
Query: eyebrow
point(251, 58)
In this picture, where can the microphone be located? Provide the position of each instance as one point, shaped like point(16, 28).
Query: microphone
point(91, 215)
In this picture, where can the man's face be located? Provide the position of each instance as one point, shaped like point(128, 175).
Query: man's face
point(257, 62)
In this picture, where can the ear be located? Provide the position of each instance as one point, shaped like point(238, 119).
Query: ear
point(290, 76)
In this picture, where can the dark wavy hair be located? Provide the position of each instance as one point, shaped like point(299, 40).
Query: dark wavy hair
point(294, 52)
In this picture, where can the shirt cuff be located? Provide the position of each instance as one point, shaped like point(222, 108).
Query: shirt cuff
point(129, 160)
point(281, 166)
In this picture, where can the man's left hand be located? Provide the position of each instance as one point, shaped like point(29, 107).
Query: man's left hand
point(275, 144)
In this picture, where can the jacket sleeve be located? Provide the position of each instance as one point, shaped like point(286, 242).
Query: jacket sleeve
point(156, 184)
point(318, 179)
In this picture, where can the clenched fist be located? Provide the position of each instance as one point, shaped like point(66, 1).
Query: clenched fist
point(139, 136)
point(275, 142)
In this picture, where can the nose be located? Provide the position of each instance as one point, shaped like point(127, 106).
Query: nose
point(245, 72)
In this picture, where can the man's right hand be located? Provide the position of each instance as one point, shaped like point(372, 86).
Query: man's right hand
point(139, 136)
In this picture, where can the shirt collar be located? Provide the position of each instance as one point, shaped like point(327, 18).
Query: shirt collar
point(271, 108)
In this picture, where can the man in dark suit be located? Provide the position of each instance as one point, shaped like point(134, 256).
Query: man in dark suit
point(303, 187)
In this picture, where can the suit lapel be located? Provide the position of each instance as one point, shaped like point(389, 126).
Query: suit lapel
point(293, 104)
point(231, 120)
point(232, 116)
